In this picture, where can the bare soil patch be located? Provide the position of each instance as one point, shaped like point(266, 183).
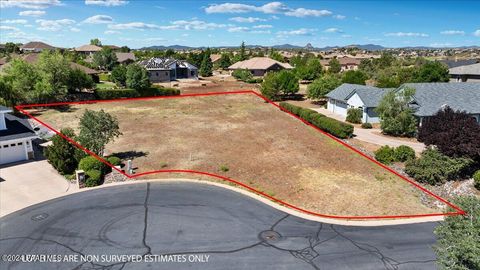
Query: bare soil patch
point(242, 137)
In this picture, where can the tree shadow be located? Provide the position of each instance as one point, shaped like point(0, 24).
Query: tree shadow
point(130, 154)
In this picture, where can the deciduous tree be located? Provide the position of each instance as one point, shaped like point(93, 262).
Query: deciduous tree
point(97, 129)
point(322, 86)
point(396, 117)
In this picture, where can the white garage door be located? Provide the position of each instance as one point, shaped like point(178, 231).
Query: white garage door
point(341, 108)
point(12, 152)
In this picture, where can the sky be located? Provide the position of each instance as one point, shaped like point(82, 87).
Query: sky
point(140, 23)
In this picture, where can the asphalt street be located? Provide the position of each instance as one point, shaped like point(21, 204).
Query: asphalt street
point(195, 226)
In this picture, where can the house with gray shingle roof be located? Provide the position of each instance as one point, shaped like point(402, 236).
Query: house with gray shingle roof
point(169, 69)
point(348, 96)
point(429, 98)
point(467, 73)
point(16, 137)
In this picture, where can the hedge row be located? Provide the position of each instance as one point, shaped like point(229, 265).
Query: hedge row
point(130, 93)
point(329, 125)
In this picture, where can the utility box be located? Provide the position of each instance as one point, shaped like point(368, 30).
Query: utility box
point(129, 168)
point(80, 176)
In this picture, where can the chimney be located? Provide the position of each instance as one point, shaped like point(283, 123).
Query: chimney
point(3, 111)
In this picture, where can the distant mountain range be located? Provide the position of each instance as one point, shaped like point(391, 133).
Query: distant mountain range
point(369, 47)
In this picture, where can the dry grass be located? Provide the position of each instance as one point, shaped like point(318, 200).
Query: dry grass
point(261, 147)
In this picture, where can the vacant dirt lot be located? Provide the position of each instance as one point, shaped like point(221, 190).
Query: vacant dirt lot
point(242, 137)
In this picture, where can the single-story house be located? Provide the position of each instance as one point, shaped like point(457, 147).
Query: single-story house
point(215, 57)
point(470, 73)
point(348, 96)
point(16, 137)
point(260, 65)
point(346, 63)
point(169, 69)
point(429, 98)
point(88, 49)
point(125, 58)
point(36, 46)
point(457, 62)
point(92, 72)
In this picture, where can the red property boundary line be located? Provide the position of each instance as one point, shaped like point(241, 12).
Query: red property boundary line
point(458, 210)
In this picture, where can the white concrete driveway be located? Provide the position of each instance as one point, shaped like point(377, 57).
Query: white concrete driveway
point(373, 135)
point(25, 184)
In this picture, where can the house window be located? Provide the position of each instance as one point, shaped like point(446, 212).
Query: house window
point(5, 146)
point(12, 145)
point(28, 143)
point(166, 73)
point(20, 143)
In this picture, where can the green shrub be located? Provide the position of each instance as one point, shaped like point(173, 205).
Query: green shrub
point(476, 179)
point(385, 154)
point(242, 74)
point(329, 125)
point(354, 115)
point(367, 125)
point(115, 161)
point(254, 80)
point(94, 177)
point(91, 163)
point(224, 168)
point(435, 168)
point(104, 77)
point(159, 91)
point(404, 153)
point(116, 93)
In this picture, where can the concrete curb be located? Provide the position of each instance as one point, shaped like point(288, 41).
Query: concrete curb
point(366, 223)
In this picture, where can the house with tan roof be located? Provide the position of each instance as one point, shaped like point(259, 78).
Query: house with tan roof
point(260, 65)
point(88, 49)
point(125, 58)
point(346, 63)
point(36, 46)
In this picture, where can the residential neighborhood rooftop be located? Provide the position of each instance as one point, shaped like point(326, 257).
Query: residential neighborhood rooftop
point(259, 63)
point(370, 95)
point(37, 45)
point(473, 69)
point(431, 97)
point(17, 128)
point(165, 63)
point(88, 48)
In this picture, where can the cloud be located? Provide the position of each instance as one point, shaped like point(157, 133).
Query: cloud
point(298, 32)
point(74, 29)
point(8, 28)
point(133, 25)
point(33, 4)
point(16, 21)
point(441, 45)
point(302, 12)
point(262, 26)
point(453, 32)
point(346, 36)
point(106, 3)
point(339, 17)
point(246, 19)
point(238, 29)
point(333, 30)
point(253, 30)
point(406, 34)
point(32, 13)
point(111, 32)
point(192, 25)
point(53, 25)
point(477, 33)
point(98, 19)
point(269, 8)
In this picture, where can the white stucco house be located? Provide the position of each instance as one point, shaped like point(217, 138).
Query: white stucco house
point(348, 96)
point(16, 137)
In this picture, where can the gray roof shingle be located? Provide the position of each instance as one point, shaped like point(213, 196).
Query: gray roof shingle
point(17, 128)
point(431, 97)
point(370, 95)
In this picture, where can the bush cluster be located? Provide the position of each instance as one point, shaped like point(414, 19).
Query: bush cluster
point(115, 161)
point(91, 163)
point(95, 170)
point(388, 155)
point(254, 80)
point(354, 115)
point(116, 93)
point(367, 125)
point(242, 74)
point(94, 178)
point(130, 93)
point(435, 168)
point(476, 179)
point(332, 126)
point(104, 77)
